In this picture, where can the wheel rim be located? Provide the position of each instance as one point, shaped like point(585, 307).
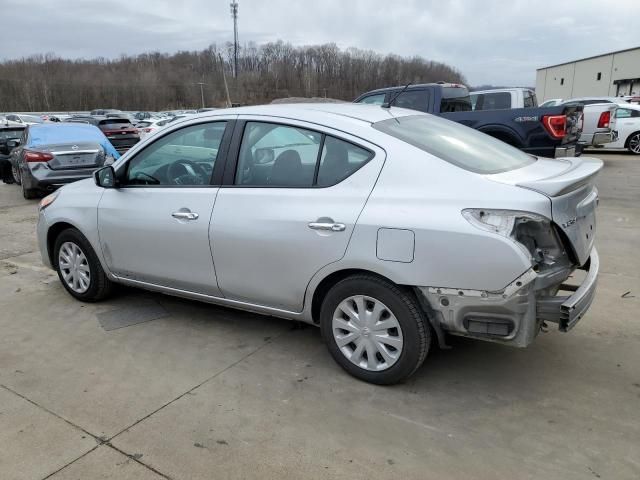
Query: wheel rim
point(367, 333)
point(634, 143)
point(74, 267)
point(16, 173)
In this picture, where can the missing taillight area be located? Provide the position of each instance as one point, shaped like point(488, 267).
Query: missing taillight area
point(32, 156)
point(556, 125)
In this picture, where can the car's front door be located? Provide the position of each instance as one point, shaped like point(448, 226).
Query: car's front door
point(154, 228)
point(289, 208)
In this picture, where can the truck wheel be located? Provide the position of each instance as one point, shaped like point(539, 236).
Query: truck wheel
point(374, 329)
point(633, 143)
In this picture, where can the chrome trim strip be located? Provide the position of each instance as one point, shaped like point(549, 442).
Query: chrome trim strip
point(225, 302)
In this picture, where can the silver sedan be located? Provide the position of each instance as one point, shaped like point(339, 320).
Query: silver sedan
point(387, 228)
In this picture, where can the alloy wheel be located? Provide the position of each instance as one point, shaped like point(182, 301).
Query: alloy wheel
point(367, 333)
point(634, 143)
point(74, 267)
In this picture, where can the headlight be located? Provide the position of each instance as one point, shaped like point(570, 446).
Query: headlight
point(48, 200)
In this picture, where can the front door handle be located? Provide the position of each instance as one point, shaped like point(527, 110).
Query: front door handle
point(185, 215)
point(328, 226)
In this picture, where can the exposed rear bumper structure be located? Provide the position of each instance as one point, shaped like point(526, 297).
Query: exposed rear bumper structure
point(513, 316)
point(566, 311)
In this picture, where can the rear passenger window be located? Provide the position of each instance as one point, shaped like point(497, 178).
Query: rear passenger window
point(493, 101)
point(277, 155)
point(414, 100)
point(274, 155)
point(339, 160)
point(373, 99)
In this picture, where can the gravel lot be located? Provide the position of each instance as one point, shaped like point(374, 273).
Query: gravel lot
point(208, 392)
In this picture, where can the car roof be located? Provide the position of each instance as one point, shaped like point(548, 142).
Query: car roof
point(317, 112)
point(415, 86)
point(61, 126)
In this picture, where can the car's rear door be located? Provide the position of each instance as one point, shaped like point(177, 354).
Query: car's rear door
point(155, 227)
point(287, 207)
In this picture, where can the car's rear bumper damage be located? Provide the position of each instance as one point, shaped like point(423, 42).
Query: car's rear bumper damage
point(514, 315)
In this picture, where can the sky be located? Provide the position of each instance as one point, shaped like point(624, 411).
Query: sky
point(497, 42)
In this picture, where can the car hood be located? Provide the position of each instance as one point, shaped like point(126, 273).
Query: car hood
point(569, 183)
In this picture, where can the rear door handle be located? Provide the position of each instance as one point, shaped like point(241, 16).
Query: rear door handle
point(185, 215)
point(327, 226)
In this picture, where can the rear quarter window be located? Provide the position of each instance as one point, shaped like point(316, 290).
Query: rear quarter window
point(454, 143)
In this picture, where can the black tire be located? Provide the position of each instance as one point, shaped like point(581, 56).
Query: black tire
point(16, 174)
point(28, 193)
point(402, 304)
point(100, 287)
point(633, 143)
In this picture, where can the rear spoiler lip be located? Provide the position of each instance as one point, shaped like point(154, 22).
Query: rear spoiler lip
point(581, 173)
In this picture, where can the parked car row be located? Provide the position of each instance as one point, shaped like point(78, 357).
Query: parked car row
point(621, 114)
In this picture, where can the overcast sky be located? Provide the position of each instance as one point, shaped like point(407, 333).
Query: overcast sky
point(499, 42)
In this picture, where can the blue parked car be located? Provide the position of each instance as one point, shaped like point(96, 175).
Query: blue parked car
point(51, 155)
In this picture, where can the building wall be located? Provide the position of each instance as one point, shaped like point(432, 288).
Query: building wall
point(626, 65)
point(581, 77)
point(558, 82)
point(586, 83)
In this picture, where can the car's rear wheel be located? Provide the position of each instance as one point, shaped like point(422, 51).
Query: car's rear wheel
point(374, 329)
point(28, 193)
point(16, 174)
point(78, 267)
point(633, 144)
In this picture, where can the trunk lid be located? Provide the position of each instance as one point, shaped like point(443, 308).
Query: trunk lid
point(569, 183)
point(75, 155)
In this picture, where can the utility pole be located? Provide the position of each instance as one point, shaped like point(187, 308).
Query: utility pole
point(234, 15)
point(202, 84)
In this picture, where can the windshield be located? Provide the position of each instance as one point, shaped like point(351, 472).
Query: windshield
point(462, 146)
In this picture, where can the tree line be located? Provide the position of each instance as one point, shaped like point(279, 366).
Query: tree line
point(160, 81)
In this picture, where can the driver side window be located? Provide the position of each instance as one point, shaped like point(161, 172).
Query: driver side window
point(185, 157)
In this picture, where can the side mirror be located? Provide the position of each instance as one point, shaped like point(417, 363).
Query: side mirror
point(106, 177)
point(13, 143)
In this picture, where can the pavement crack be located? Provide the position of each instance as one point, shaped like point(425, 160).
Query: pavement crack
point(99, 440)
point(268, 342)
point(71, 462)
point(136, 458)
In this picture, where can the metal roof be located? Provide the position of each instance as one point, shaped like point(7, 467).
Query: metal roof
point(588, 58)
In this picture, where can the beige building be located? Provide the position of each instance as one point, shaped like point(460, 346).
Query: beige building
point(611, 74)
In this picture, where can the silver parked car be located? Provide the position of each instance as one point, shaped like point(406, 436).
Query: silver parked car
point(383, 226)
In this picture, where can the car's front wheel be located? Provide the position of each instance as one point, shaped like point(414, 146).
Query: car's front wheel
point(79, 268)
point(374, 329)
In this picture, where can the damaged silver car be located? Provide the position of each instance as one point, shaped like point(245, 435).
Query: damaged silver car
point(386, 228)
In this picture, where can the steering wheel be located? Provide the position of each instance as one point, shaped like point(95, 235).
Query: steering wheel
point(186, 172)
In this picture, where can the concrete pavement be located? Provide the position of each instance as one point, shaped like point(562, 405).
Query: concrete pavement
point(209, 392)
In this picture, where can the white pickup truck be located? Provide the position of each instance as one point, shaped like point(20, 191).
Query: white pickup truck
point(503, 99)
point(599, 123)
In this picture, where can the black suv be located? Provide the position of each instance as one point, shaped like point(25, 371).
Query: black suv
point(120, 131)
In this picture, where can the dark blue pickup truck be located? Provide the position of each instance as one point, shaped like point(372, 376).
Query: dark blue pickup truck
point(541, 131)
